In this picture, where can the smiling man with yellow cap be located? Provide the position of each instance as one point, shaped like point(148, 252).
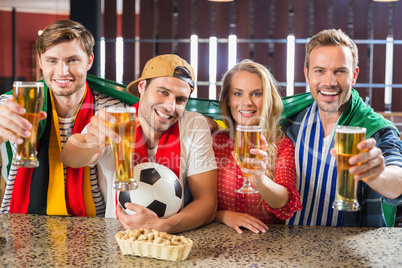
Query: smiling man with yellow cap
point(168, 135)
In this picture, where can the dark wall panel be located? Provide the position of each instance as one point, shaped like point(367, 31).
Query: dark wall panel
point(397, 73)
point(361, 23)
point(360, 20)
point(146, 31)
point(262, 27)
point(183, 30)
point(110, 30)
point(340, 15)
point(380, 28)
point(281, 32)
point(222, 30)
point(89, 14)
point(243, 28)
point(301, 10)
point(321, 15)
point(164, 26)
point(128, 32)
point(202, 27)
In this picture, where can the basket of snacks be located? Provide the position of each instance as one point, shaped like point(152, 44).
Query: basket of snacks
point(154, 244)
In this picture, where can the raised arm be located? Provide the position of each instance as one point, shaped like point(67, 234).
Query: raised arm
point(84, 149)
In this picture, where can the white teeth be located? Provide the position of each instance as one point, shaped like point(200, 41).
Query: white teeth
point(329, 92)
point(246, 112)
point(62, 81)
point(162, 115)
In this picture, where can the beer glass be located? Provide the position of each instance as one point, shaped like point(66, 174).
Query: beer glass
point(123, 151)
point(247, 137)
point(30, 96)
point(346, 141)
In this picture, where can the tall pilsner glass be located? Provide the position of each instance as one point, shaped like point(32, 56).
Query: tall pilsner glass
point(247, 137)
point(346, 141)
point(125, 126)
point(30, 96)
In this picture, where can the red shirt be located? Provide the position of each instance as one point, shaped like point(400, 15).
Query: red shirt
point(231, 178)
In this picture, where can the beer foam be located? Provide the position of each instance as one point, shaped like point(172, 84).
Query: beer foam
point(27, 84)
point(248, 128)
point(121, 110)
point(350, 129)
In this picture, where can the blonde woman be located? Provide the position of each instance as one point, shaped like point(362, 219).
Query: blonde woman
point(249, 96)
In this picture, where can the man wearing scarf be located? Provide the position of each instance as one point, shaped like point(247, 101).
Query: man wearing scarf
point(65, 55)
point(331, 69)
point(167, 135)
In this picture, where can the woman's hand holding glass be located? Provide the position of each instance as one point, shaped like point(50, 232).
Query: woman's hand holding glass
point(247, 138)
point(257, 175)
point(275, 195)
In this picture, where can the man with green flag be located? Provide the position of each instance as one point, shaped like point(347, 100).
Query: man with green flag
point(331, 69)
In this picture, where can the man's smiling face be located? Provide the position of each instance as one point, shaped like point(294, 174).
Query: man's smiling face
point(162, 102)
point(331, 76)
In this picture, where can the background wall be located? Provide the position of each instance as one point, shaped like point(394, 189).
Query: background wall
point(261, 26)
point(26, 32)
point(156, 27)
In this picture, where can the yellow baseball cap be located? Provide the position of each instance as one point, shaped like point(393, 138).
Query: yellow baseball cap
point(162, 66)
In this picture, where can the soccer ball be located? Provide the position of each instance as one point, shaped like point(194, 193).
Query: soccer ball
point(159, 189)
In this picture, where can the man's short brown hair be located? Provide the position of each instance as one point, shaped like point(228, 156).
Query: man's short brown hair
point(331, 37)
point(63, 31)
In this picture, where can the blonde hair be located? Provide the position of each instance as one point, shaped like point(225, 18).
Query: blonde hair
point(271, 111)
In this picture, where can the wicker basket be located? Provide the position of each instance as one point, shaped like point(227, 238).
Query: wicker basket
point(151, 250)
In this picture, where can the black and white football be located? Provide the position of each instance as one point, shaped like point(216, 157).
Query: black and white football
point(159, 189)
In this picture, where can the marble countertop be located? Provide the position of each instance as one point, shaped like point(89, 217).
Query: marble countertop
point(34, 240)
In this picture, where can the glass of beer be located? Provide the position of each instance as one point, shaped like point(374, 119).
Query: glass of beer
point(346, 141)
point(247, 137)
point(30, 96)
point(125, 127)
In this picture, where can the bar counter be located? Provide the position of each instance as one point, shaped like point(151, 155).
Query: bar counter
point(33, 240)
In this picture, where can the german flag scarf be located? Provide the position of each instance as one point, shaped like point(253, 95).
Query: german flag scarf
point(43, 190)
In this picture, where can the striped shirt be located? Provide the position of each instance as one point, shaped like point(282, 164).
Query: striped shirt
point(101, 101)
point(316, 170)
